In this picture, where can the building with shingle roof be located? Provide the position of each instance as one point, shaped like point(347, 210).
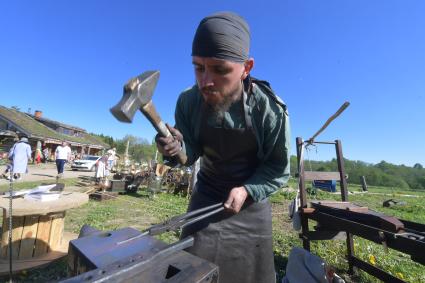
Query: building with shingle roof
point(46, 132)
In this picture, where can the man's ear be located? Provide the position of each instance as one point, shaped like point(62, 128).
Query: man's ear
point(248, 65)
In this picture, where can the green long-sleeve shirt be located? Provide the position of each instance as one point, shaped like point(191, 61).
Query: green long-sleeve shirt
point(270, 123)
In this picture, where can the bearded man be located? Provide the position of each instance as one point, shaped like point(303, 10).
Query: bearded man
point(240, 129)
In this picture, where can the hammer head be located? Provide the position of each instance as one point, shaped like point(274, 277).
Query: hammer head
point(138, 92)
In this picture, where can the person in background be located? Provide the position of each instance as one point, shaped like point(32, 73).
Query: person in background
point(102, 170)
point(46, 154)
point(111, 159)
point(20, 154)
point(63, 155)
point(37, 156)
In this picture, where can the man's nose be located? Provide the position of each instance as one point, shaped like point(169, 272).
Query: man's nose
point(206, 79)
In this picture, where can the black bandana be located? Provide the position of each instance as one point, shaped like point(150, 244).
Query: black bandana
point(223, 35)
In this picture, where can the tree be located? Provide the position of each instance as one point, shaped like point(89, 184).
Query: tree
point(418, 166)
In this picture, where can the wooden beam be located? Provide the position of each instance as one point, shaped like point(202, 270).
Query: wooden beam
point(317, 175)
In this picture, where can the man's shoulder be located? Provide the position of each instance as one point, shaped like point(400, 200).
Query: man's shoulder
point(189, 97)
point(191, 92)
point(265, 97)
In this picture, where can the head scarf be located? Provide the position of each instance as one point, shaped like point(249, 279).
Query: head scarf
point(223, 35)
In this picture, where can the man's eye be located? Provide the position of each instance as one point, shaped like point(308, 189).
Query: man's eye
point(199, 68)
point(221, 71)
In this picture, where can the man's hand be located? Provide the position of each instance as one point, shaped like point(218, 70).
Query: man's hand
point(236, 199)
point(169, 146)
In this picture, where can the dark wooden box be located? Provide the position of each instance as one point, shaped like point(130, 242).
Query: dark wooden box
point(117, 186)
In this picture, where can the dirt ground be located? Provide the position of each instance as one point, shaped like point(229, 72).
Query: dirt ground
point(45, 172)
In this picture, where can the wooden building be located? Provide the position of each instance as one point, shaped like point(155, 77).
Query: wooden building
point(45, 133)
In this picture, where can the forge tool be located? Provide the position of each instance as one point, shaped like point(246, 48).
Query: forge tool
point(128, 255)
point(137, 95)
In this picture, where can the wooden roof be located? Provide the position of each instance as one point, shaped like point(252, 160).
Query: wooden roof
point(27, 125)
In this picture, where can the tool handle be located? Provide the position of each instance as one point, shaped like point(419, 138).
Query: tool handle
point(333, 117)
point(183, 220)
point(150, 112)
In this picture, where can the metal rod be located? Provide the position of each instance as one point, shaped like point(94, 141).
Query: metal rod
point(414, 231)
point(323, 142)
point(198, 211)
point(200, 217)
point(10, 224)
point(133, 238)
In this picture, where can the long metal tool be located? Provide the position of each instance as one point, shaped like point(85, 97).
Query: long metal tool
point(179, 221)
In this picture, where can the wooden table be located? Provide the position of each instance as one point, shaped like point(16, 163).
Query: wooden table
point(38, 236)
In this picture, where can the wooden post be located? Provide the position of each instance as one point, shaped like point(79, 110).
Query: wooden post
point(363, 182)
point(302, 192)
point(344, 197)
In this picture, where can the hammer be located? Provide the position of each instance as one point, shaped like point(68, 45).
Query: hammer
point(138, 93)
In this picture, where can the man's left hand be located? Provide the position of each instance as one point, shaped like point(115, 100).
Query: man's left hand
point(236, 199)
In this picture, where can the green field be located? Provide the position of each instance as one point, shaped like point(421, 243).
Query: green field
point(141, 211)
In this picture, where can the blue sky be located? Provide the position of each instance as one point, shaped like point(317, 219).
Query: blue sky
point(70, 59)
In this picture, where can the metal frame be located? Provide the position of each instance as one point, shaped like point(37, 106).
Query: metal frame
point(412, 242)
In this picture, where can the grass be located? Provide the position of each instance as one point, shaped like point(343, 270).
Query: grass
point(140, 211)
point(333, 252)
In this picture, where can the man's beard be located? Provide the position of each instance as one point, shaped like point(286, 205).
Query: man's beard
point(220, 108)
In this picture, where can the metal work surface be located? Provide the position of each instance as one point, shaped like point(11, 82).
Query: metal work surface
point(103, 248)
point(171, 264)
point(128, 255)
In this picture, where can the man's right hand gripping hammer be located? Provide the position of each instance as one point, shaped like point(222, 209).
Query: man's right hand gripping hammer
point(170, 145)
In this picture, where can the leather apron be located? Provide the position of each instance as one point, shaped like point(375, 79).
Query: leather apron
point(240, 244)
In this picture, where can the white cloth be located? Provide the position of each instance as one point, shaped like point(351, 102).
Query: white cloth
point(63, 152)
point(20, 153)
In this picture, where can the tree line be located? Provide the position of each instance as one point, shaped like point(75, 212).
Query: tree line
point(139, 149)
point(381, 174)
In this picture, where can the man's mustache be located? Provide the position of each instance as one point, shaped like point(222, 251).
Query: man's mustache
point(208, 89)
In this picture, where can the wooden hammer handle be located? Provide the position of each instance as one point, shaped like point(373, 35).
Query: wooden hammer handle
point(150, 112)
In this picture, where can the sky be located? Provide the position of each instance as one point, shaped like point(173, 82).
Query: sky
point(70, 59)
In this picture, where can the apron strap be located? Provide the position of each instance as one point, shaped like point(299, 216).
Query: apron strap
point(248, 121)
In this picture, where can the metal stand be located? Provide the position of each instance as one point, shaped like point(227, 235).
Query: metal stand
point(334, 217)
point(311, 176)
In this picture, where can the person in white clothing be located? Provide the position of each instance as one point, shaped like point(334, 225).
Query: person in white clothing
point(19, 154)
point(63, 154)
point(111, 159)
point(102, 170)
